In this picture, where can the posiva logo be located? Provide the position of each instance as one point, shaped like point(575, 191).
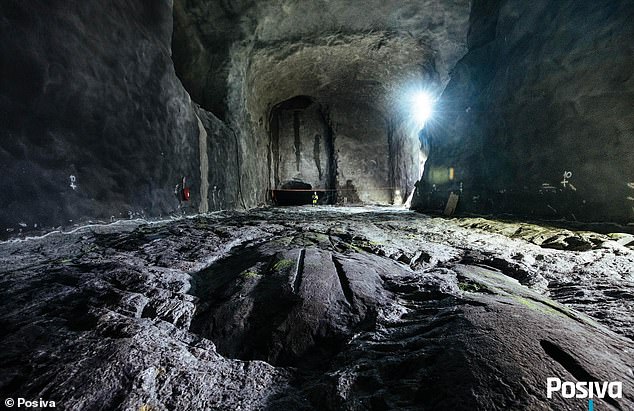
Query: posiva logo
point(586, 390)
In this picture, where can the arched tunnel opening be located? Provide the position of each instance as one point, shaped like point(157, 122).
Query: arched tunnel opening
point(302, 153)
point(367, 160)
point(316, 205)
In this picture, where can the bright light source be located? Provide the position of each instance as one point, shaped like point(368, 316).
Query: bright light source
point(423, 106)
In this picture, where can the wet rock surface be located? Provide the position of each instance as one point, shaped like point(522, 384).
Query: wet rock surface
point(316, 308)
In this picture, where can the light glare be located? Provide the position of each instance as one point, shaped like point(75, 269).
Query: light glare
point(423, 105)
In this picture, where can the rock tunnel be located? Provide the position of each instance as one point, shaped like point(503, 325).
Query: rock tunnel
point(317, 205)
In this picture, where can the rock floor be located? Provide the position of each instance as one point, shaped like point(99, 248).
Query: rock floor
point(316, 308)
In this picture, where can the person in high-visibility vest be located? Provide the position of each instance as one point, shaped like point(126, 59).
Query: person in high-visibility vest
point(315, 198)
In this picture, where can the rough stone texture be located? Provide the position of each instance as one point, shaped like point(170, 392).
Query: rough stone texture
point(366, 161)
point(301, 147)
point(546, 88)
point(206, 31)
point(357, 61)
point(360, 99)
point(202, 38)
point(224, 185)
point(405, 158)
point(363, 152)
point(95, 123)
point(351, 308)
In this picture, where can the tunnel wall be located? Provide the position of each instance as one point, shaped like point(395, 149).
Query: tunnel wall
point(301, 148)
point(240, 59)
point(404, 159)
point(224, 189)
point(538, 118)
point(361, 156)
point(362, 153)
point(95, 123)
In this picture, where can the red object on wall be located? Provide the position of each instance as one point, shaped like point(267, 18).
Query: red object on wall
point(186, 194)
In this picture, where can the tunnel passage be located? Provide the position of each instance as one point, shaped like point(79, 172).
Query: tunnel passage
point(375, 155)
point(302, 152)
point(348, 152)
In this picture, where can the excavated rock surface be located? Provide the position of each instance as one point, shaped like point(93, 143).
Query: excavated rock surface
point(209, 34)
point(90, 106)
point(538, 117)
point(95, 123)
point(316, 308)
point(359, 61)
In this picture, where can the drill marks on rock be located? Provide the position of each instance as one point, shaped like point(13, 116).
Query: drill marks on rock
point(316, 151)
point(299, 270)
point(573, 366)
point(554, 308)
point(343, 280)
point(566, 360)
point(289, 303)
point(244, 299)
point(424, 247)
point(288, 307)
